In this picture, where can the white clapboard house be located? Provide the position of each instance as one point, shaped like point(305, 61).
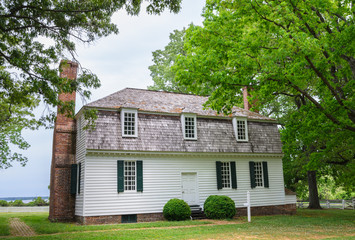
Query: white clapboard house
point(150, 146)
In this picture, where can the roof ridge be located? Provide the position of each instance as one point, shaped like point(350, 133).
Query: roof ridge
point(166, 102)
point(191, 94)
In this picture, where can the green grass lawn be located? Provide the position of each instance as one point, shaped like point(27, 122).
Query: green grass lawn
point(306, 224)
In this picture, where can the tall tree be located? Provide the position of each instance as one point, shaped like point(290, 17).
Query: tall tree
point(160, 71)
point(302, 50)
point(27, 74)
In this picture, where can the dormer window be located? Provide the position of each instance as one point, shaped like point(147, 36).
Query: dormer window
point(189, 127)
point(240, 129)
point(129, 122)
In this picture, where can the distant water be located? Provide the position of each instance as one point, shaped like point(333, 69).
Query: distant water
point(24, 199)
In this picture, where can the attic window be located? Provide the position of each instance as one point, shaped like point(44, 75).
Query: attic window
point(240, 129)
point(129, 123)
point(189, 126)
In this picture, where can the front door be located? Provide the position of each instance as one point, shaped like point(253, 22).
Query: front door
point(189, 188)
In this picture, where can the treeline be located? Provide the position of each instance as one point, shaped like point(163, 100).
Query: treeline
point(19, 203)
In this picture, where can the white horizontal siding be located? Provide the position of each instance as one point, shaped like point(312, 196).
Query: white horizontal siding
point(290, 199)
point(162, 181)
point(80, 158)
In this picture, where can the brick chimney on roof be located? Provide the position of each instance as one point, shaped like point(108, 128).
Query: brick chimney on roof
point(62, 203)
point(247, 105)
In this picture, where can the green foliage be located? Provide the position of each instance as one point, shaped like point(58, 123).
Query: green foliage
point(327, 189)
point(219, 207)
point(17, 203)
point(38, 202)
point(176, 210)
point(162, 73)
point(4, 203)
point(306, 224)
point(297, 58)
point(27, 74)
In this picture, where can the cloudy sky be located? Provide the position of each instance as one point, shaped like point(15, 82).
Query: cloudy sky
point(120, 61)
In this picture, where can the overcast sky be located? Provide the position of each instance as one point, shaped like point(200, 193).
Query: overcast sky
point(120, 61)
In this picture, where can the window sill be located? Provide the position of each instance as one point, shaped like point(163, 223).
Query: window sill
point(190, 139)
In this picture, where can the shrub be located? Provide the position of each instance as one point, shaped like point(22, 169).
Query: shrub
point(38, 202)
point(219, 207)
point(176, 210)
point(17, 203)
point(4, 203)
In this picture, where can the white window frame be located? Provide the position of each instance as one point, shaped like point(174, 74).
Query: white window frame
point(183, 117)
point(235, 127)
point(125, 186)
point(229, 173)
point(258, 170)
point(132, 111)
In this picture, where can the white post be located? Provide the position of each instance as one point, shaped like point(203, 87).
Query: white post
point(328, 204)
point(247, 204)
point(343, 202)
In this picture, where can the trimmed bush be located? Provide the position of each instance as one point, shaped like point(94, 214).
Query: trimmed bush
point(176, 210)
point(4, 203)
point(219, 207)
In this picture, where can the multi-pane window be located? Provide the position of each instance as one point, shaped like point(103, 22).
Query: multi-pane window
point(240, 129)
point(129, 123)
point(129, 175)
point(189, 126)
point(226, 177)
point(258, 171)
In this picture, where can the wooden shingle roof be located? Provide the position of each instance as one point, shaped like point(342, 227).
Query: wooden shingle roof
point(165, 102)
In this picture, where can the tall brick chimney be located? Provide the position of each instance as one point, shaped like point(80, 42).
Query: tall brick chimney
point(62, 203)
point(247, 105)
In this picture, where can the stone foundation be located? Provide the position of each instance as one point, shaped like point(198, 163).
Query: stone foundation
point(116, 219)
point(287, 209)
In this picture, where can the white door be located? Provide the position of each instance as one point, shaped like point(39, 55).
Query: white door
point(189, 188)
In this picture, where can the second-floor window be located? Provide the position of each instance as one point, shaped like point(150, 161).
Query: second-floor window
point(129, 119)
point(240, 129)
point(189, 126)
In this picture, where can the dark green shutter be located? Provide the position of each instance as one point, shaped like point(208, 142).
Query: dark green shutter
point(120, 176)
point(266, 175)
point(252, 175)
point(79, 182)
point(234, 175)
point(219, 174)
point(73, 178)
point(139, 176)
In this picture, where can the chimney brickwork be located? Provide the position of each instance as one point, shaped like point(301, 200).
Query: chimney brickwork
point(247, 105)
point(62, 203)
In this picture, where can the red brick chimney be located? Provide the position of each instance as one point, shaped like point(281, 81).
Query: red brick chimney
point(62, 203)
point(247, 105)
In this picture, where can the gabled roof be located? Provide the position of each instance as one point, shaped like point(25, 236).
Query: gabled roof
point(165, 102)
